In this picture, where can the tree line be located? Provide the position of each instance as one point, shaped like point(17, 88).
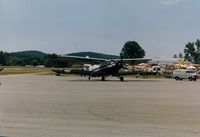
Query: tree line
point(131, 49)
point(191, 52)
point(50, 60)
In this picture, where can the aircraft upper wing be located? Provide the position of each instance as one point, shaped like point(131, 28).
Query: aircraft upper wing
point(81, 60)
point(85, 60)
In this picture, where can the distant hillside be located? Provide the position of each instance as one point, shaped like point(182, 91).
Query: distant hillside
point(23, 55)
point(40, 58)
point(32, 54)
point(94, 55)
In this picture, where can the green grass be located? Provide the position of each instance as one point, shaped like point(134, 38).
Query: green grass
point(12, 67)
point(11, 70)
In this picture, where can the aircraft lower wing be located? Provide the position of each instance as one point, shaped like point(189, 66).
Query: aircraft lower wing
point(88, 73)
point(134, 61)
point(76, 71)
point(124, 73)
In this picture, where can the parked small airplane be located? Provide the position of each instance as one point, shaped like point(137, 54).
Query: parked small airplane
point(103, 69)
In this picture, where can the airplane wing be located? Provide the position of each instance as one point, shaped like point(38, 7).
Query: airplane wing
point(77, 71)
point(85, 60)
point(80, 60)
point(134, 61)
point(123, 73)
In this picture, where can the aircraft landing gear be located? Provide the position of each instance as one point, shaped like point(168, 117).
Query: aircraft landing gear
point(89, 78)
point(121, 78)
point(102, 78)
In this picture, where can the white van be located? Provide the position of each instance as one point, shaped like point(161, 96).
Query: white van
point(180, 74)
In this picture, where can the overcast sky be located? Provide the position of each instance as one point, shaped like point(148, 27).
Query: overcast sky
point(161, 27)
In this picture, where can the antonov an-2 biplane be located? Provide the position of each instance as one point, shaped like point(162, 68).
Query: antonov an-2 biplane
point(103, 69)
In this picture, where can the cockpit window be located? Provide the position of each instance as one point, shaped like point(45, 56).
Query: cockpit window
point(105, 63)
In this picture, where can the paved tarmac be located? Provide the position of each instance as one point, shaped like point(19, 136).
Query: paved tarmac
point(50, 106)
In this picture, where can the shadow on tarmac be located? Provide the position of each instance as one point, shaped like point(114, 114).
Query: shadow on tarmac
point(99, 80)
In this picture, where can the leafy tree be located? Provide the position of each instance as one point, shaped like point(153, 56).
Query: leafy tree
point(132, 49)
point(13, 62)
point(34, 62)
point(49, 60)
point(180, 55)
point(192, 51)
point(22, 63)
point(175, 56)
point(3, 58)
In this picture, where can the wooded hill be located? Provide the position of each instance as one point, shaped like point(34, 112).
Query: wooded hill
point(23, 55)
point(40, 58)
point(94, 55)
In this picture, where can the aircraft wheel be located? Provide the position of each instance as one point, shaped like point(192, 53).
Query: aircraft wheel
point(102, 78)
point(121, 78)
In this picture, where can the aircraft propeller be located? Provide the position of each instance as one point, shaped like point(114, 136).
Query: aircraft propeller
point(122, 63)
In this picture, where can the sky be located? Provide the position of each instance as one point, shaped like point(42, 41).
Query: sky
point(161, 27)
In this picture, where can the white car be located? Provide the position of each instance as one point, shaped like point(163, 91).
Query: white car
point(180, 74)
